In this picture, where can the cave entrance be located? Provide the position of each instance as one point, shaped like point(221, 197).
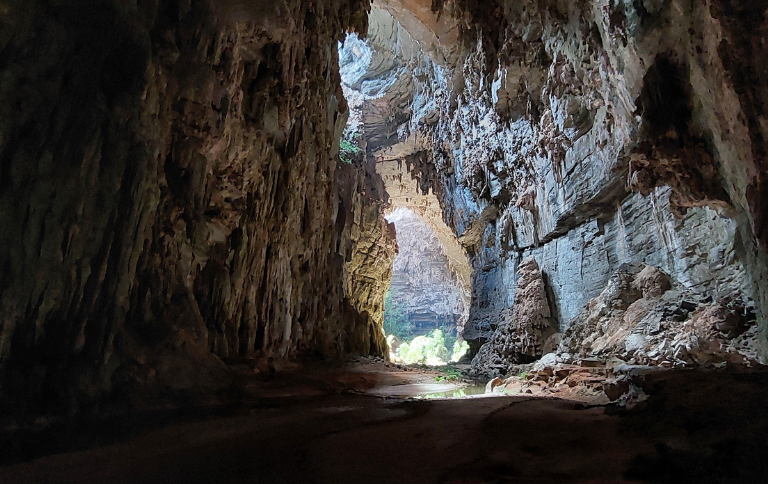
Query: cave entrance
point(394, 81)
point(426, 306)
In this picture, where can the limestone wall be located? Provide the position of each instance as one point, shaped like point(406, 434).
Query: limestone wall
point(169, 197)
point(594, 134)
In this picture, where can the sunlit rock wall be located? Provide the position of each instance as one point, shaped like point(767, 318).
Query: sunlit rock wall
point(423, 285)
point(168, 197)
point(594, 134)
point(368, 245)
point(387, 76)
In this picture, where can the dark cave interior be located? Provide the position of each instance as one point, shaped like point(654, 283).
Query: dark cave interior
point(204, 204)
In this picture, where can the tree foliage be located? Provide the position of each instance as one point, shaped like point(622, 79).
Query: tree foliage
point(430, 350)
point(439, 347)
point(395, 319)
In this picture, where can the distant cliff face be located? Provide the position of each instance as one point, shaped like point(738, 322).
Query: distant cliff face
point(423, 286)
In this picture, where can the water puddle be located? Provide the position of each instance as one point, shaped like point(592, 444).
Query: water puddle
point(429, 390)
point(467, 391)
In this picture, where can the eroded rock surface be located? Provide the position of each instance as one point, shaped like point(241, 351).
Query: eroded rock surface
point(169, 197)
point(526, 330)
point(643, 318)
point(592, 135)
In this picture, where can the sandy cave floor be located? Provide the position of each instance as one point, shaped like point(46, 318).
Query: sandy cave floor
point(323, 425)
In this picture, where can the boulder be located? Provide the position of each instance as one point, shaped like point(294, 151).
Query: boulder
point(493, 384)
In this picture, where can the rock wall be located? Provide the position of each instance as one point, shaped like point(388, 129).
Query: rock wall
point(600, 133)
point(383, 76)
point(367, 242)
point(526, 331)
point(169, 197)
point(644, 318)
point(587, 135)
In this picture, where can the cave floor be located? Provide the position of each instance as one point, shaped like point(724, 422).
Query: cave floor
point(697, 426)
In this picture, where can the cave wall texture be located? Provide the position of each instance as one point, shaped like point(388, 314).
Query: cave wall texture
point(614, 133)
point(603, 99)
point(169, 197)
point(598, 137)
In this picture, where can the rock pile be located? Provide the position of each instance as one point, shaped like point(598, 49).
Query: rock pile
point(644, 318)
point(599, 385)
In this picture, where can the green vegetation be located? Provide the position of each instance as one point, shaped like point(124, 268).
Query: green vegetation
point(450, 339)
point(349, 151)
point(395, 320)
point(430, 350)
point(450, 373)
point(439, 347)
point(460, 348)
point(424, 350)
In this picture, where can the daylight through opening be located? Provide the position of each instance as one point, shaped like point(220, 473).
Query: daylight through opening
point(392, 87)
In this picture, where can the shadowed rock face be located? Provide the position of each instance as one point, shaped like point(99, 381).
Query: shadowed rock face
point(169, 197)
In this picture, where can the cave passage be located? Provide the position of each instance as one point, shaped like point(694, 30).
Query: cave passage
point(425, 308)
point(388, 81)
point(427, 303)
point(248, 240)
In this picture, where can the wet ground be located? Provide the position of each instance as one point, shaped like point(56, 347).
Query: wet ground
point(335, 426)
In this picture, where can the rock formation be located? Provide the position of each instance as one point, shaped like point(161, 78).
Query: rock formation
point(526, 330)
point(643, 318)
point(169, 197)
point(367, 242)
point(590, 136)
point(381, 79)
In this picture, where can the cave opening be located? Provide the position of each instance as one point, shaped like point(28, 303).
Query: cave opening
point(392, 87)
point(425, 308)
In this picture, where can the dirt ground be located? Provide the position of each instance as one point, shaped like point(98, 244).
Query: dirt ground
point(336, 425)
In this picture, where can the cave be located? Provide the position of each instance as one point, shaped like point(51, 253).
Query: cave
point(209, 207)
